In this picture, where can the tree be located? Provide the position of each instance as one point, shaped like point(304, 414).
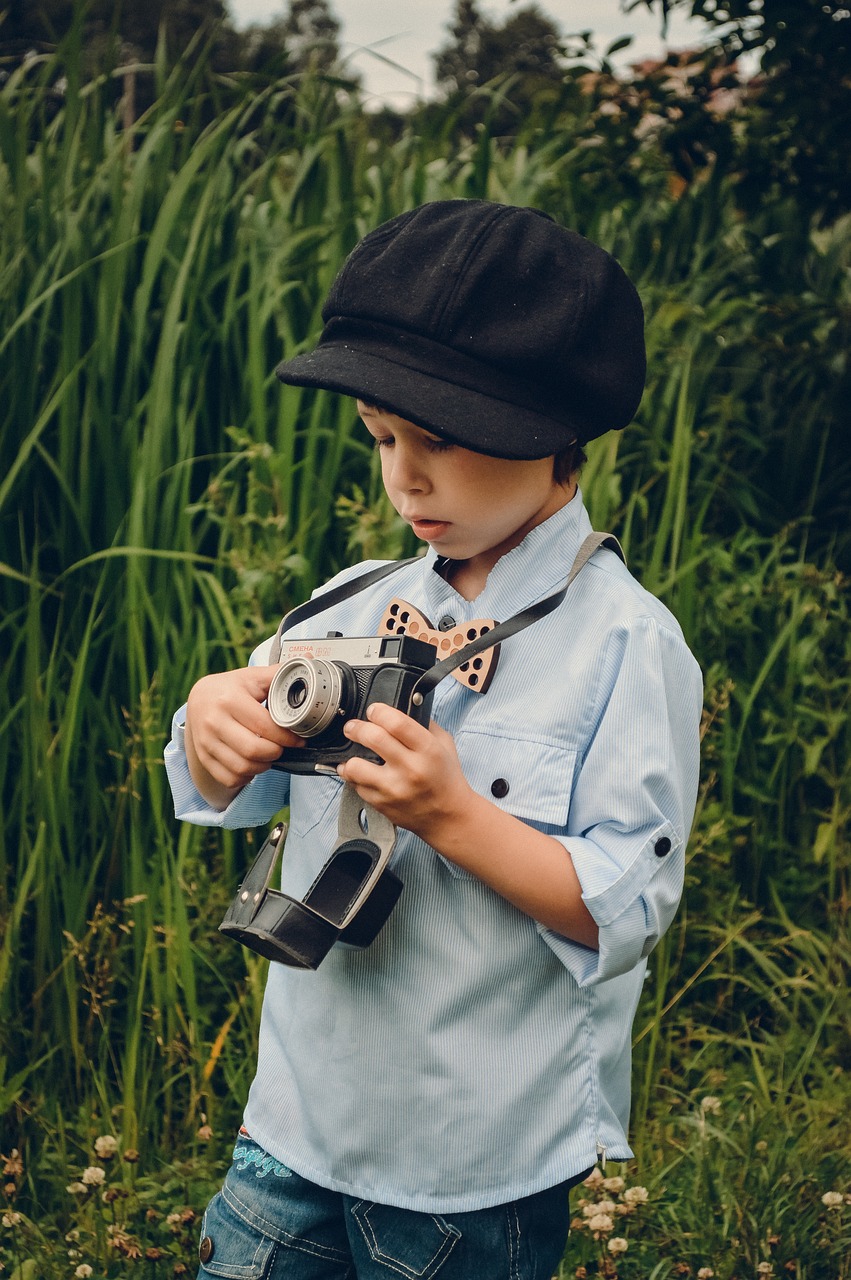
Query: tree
point(528, 44)
point(800, 121)
point(527, 50)
point(43, 23)
point(311, 35)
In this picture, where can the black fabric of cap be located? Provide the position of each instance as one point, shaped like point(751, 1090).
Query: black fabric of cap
point(487, 324)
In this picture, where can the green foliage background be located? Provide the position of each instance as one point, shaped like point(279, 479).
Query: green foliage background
point(163, 500)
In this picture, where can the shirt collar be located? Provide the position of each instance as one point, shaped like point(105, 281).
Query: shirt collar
point(531, 570)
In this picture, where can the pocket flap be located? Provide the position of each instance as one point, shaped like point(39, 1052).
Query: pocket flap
point(526, 777)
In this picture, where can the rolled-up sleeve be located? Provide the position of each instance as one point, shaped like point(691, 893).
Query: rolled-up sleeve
point(633, 799)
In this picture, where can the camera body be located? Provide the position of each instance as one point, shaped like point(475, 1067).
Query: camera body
point(320, 684)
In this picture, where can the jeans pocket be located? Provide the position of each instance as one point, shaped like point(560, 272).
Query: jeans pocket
point(232, 1248)
point(412, 1245)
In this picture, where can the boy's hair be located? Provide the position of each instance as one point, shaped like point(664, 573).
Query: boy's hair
point(484, 323)
point(568, 461)
point(565, 463)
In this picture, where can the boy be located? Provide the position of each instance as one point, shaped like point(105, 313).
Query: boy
point(422, 1106)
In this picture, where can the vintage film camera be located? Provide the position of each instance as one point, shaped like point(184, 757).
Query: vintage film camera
point(321, 684)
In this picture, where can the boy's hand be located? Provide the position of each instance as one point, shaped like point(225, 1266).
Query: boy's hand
point(230, 736)
point(420, 785)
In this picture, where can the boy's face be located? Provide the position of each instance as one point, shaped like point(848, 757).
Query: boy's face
point(466, 505)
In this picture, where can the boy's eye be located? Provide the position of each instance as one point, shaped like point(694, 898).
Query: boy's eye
point(431, 444)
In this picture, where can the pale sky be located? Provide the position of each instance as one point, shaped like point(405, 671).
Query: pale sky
point(405, 32)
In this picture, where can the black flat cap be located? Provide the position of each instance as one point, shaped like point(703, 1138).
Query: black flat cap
point(487, 324)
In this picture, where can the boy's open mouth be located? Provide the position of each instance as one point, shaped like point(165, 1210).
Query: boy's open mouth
point(428, 528)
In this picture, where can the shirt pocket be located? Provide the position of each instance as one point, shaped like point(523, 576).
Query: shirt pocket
point(528, 778)
point(313, 801)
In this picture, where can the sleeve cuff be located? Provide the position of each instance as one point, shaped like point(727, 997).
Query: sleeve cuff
point(631, 912)
point(621, 948)
point(608, 898)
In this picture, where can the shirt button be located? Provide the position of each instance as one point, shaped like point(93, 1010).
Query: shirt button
point(205, 1249)
point(499, 788)
point(447, 622)
point(662, 846)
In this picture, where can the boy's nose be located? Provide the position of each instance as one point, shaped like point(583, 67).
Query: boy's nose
point(407, 470)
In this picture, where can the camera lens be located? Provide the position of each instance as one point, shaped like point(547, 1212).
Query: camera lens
point(307, 693)
point(296, 693)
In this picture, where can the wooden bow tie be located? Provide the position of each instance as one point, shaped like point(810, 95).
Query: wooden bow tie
point(403, 619)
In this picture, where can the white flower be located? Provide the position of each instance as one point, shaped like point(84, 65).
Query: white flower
point(615, 1185)
point(83, 1271)
point(635, 1195)
point(591, 1209)
point(617, 1245)
point(705, 1273)
point(77, 1188)
point(594, 1179)
point(105, 1146)
point(832, 1199)
point(93, 1177)
point(723, 101)
point(764, 1268)
point(649, 123)
point(711, 1104)
point(601, 1222)
point(11, 1219)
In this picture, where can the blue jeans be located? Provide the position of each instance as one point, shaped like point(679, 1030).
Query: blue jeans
point(268, 1223)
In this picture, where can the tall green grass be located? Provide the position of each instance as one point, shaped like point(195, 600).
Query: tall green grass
point(163, 500)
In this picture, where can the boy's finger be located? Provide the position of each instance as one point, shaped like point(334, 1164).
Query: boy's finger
point(405, 730)
point(257, 746)
point(362, 774)
point(374, 737)
point(229, 767)
point(258, 680)
point(256, 719)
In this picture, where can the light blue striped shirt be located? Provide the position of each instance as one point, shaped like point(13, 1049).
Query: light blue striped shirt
point(471, 1056)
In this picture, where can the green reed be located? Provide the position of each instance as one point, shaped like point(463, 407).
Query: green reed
point(163, 500)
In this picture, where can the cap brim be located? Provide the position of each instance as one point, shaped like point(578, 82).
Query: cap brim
point(478, 421)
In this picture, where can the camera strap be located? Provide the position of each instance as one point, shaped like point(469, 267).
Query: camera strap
point(327, 599)
point(518, 621)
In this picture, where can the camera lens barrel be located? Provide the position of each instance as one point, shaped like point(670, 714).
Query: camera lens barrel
point(307, 693)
